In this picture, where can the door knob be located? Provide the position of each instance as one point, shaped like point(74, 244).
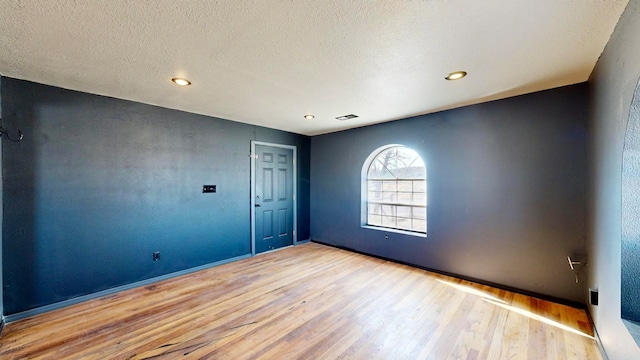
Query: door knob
point(258, 205)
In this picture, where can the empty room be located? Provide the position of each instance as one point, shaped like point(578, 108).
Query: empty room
point(324, 179)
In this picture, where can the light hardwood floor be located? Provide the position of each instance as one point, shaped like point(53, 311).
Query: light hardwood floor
point(307, 302)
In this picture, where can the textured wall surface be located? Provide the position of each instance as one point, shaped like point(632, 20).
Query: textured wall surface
point(507, 183)
point(630, 255)
point(98, 184)
point(612, 86)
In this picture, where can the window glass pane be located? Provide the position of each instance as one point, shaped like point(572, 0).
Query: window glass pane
point(389, 221)
point(419, 213)
point(389, 196)
point(375, 185)
point(420, 186)
point(405, 185)
point(397, 162)
point(403, 211)
point(420, 225)
point(389, 186)
point(375, 220)
point(374, 209)
point(404, 198)
point(375, 195)
point(379, 170)
point(404, 224)
point(388, 210)
point(419, 198)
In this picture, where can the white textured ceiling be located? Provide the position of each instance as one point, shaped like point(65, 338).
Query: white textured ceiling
point(270, 62)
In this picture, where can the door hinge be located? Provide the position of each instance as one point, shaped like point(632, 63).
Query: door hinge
point(253, 156)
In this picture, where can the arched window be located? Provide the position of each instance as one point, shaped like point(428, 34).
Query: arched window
point(395, 189)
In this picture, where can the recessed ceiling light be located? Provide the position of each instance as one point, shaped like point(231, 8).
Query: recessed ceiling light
point(309, 117)
point(456, 75)
point(181, 81)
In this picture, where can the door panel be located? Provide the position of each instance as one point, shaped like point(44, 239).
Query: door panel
point(282, 217)
point(267, 184)
point(282, 184)
point(273, 198)
point(267, 227)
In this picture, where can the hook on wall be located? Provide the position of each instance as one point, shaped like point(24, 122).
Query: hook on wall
point(577, 266)
point(4, 131)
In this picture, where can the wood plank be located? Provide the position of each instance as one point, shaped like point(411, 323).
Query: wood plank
point(307, 302)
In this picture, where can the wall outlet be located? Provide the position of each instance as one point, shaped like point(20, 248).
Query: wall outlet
point(593, 297)
point(156, 255)
point(208, 188)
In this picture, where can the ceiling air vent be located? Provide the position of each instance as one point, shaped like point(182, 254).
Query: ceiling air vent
point(346, 117)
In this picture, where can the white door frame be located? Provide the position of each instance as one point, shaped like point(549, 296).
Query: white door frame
point(253, 190)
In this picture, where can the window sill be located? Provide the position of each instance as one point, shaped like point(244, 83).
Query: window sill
point(396, 231)
point(634, 329)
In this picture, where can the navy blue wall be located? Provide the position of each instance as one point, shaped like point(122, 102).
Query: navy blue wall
point(98, 184)
point(507, 183)
point(1, 181)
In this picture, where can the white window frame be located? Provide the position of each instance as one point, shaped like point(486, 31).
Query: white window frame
point(365, 194)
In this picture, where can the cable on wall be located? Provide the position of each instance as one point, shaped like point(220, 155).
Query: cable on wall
point(5, 132)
